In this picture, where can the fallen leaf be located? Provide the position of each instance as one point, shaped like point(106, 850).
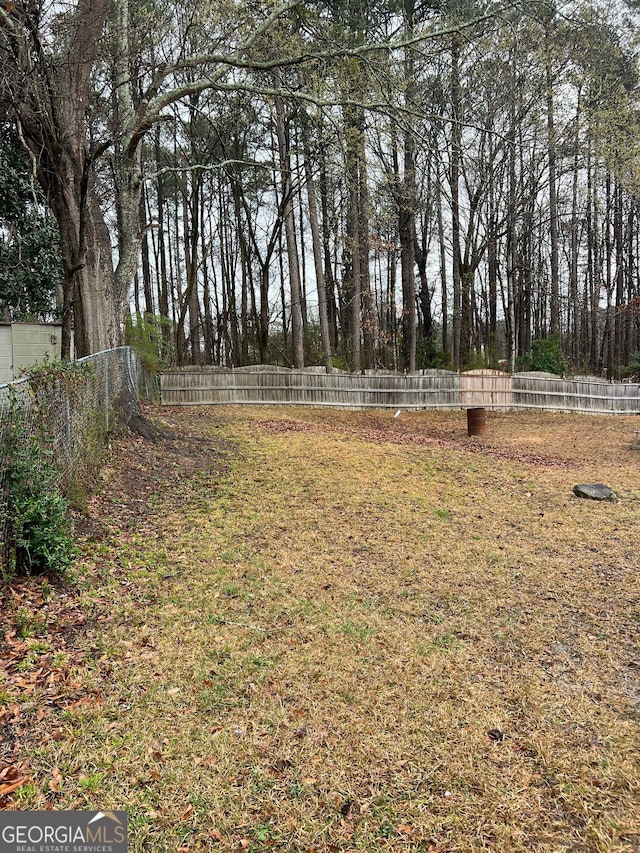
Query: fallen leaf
point(187, 812)
point(56, 781)
point(10, 787)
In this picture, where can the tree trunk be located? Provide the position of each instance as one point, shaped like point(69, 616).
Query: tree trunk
point(146, 262)
point(332, 309)
point(553, 190)
point(574, 303)
point(443, 280)
point(407, 217)
point(454, 179)
point(52, 116)
point(317, 252)
point(511, 248)
point(352, 252)
point(619, 319)
point(163, 282)
point(297, 329)
point(353, 239)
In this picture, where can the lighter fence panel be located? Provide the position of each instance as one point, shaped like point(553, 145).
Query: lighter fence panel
point(490, 389)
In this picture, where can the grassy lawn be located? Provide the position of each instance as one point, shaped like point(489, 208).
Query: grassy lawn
point(324, 631)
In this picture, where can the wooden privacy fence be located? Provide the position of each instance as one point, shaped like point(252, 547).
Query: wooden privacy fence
point(492, 389)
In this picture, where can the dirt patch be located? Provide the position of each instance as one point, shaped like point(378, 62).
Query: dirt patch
point(139, 469)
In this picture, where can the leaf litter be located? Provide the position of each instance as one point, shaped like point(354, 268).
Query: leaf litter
point(327, 631)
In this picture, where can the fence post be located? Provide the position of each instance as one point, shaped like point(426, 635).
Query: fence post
point(132, 362)
point(106, 393)
point(68, 430)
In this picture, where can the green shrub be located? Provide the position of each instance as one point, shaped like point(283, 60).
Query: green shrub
point(429, 355)
point(39, 527)
point(632, 370)
point(149, 336)
point(545, 355)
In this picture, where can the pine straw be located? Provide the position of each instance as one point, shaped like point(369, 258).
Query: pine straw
point(356, 634)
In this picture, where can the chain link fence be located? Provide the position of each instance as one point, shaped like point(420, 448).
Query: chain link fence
point(71, 421)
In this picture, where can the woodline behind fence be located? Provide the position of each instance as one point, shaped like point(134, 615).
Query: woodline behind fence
point(491, 389)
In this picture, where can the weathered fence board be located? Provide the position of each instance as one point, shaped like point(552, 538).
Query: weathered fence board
point(582, 395)
point(258, 385)
point(486, 388)
point(309, 388)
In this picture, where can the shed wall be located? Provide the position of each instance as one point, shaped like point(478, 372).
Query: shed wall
point(25, 344)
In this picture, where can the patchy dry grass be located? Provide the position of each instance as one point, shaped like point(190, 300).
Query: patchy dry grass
point(327, 631)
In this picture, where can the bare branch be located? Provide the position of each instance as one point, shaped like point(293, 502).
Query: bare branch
point(239, 61)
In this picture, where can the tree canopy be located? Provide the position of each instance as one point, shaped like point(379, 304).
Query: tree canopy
point(359, 184)
point(30, 263)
